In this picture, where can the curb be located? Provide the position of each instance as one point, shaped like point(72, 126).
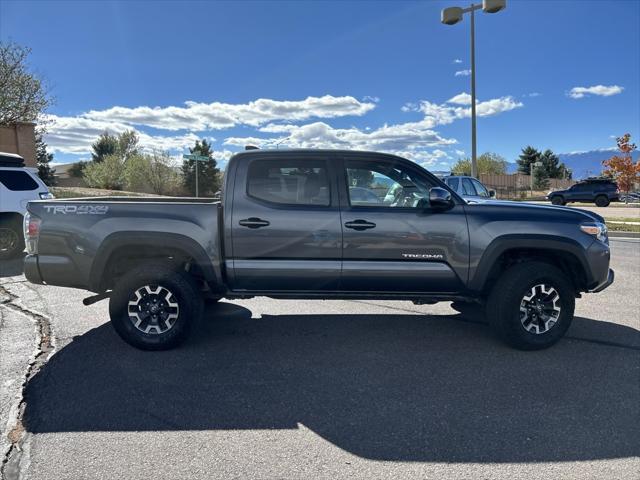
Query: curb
point(623, 234)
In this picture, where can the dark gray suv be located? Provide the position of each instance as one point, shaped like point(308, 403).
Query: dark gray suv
point(601, 191)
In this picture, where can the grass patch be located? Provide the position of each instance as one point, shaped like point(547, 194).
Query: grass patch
point(620, 227)
point(622, 219)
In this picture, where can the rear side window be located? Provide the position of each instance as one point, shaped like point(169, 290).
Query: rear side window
point(17, 180)
point(289, 182)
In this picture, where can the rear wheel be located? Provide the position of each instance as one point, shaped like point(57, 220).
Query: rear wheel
point(153, 307)
point(557, 200)
point(602, 201)
point(531, 305)
point(11, 238)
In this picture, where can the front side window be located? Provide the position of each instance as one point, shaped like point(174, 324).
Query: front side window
point(17, 180)
point(481, 189)
point(467, 187)
point(289, 182)
point(381, 184)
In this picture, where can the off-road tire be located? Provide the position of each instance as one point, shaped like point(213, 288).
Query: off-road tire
point(185, 293)
point(503, 305)
point(12, 228)
point(602, 201)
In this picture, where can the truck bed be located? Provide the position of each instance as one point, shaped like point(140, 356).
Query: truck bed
point(79, 237)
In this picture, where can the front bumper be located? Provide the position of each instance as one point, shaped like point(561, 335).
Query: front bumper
point(606, 283)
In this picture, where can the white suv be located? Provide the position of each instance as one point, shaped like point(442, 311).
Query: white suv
point(18, 185)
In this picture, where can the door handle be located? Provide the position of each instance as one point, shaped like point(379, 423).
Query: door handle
point(253, 222)
point(360, 225)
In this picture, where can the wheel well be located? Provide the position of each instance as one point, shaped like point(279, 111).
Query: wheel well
point(11, 217)
point(125, 258)
point(565, 261)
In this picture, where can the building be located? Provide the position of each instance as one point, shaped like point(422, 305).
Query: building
point(19, 138)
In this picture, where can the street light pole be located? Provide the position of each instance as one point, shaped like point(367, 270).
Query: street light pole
point(451, 16)
point(474, 158)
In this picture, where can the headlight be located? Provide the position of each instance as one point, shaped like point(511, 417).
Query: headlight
point(596, 229)
point(46, 196)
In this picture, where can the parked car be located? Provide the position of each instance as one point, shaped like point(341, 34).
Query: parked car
point(469, 188)
point(600, 191)
point(289, 226)
point(631, 197)
point(18, 185)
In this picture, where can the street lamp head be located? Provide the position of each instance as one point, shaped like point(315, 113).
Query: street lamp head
point(493, 6)
point(451, 15)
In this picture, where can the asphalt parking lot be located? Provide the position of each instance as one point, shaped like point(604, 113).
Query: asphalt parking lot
point(320, 389)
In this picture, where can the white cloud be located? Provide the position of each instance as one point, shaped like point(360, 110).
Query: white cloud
point(461, 99)
point(457, 60)
point(388, 138)
point(445, 114)
point(196, 116)
point(463, 73)
point(368, 98)
point(75, 135)
point(601, 90)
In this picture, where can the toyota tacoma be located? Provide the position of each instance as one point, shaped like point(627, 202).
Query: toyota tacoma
point(320, 224)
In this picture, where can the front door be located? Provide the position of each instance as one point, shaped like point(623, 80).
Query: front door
point(285, 225)
point(392, 240)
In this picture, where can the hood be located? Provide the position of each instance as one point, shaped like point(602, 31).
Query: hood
point(578, 213)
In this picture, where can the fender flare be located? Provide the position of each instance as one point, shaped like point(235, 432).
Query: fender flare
point(150, 240)
point(505, 243)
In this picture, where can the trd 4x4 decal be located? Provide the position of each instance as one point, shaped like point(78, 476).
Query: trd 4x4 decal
point(77, 209)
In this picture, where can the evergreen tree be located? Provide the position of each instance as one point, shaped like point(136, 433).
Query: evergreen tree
point(209, 180)
point(43, 158)
point(540, 179)
point(106, 144)
point(552, 166)
point(528, 156)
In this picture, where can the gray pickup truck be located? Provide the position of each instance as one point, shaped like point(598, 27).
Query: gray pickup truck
point(320, 224)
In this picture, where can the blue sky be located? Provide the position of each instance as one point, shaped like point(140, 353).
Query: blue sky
point(370, 75)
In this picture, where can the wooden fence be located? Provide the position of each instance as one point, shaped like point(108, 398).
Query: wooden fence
point(518, 185)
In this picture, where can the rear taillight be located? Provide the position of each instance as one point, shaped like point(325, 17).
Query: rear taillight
point(31, 233)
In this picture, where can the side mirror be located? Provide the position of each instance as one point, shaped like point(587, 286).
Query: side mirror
point(492, 194)
point(440, 198)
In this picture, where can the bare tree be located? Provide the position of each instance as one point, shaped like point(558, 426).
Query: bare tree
point(23, 95)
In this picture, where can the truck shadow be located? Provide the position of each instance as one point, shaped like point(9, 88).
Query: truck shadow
point(12, 267)
point(384, 387)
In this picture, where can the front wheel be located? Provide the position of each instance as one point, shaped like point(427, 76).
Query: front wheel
point(602, 201)
point(557, 200)
point(531, 305)
point(153, 307)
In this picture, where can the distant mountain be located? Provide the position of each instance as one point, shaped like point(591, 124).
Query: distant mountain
point(583, 164)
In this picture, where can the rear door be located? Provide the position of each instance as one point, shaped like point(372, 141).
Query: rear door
point(391, 243)
point(285, 224)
